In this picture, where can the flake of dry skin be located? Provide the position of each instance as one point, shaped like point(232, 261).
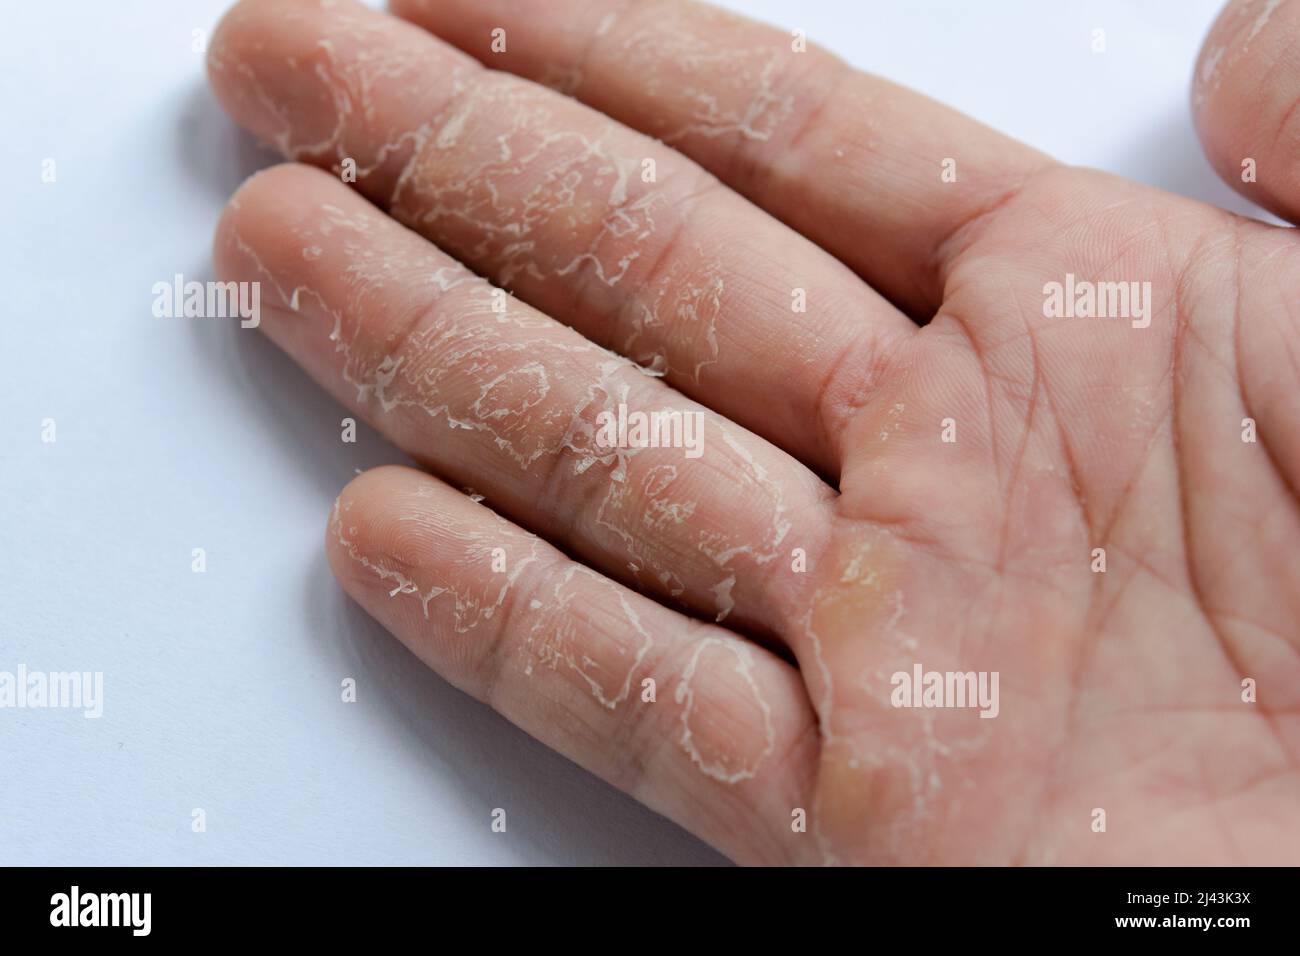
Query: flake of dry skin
point(344, 534)
point(725, 548)
point(606, 23)
point(733, 89)
point(473, 603)
point(634, 511)
point(722, 596)
point(506, 199)
point(894, 424)
point(370, 70)
point(1261, 21)
point(858, 575)
point(927, 746)
point(221, 60)
point(474, 606)
point(558, 635)
point(661, 512)
point(677, 317)
point(450, 345)
point(732, 769)
point(290, 298)
point(650, 498)
point(510, 396)
point(1209, 76)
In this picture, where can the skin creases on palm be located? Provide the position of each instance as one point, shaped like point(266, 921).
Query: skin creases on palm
point(965, 414)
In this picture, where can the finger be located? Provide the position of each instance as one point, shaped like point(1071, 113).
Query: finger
point(851, 161)
point(494, 395)
point(551, 200)
point(1246, 100)
point(701, 725)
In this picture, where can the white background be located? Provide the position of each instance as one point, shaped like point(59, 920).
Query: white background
point(222, 689)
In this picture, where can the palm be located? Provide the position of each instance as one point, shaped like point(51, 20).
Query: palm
point(1076, 434)
point(872, 496)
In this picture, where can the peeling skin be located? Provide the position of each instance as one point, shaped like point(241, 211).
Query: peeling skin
point(893, 776)
point(731, 89)
point(545, 196)
point(722, 766)
point(503, 197)
point(672, 325)
point(415, 338)
point(474, 603)
point(831, 631)
point(344, 534)
point(506, 199)
point(527, 189)
point(1261, 21)
point(510, 387)
point(638, 512)
point(354, 105)
point(1217, 58)
point(756, 121)
point(560, 637)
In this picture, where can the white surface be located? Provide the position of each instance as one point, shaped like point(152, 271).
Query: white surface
point(222, 689)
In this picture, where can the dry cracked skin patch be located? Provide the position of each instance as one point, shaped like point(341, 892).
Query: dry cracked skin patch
point(462, 360)
point(714, 90)
point(524, 187)
point(472, 602)
point(530, 201)
point(712, 750)
point(1249, 20)
point(574, 620)
point(462, 353)
point(897, 775)
point(454, 580)
point(551, 640)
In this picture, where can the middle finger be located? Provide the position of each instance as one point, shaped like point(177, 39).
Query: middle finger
point(495, 396)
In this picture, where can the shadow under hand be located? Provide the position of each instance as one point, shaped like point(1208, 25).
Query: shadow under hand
point(217, 151)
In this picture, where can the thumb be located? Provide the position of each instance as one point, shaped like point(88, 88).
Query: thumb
point(1246, 101)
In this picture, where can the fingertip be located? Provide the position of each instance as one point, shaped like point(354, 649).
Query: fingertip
point(363, 531)
point(1245, 93)
point(385, 483)
point(263, 65)
point(233, 33)
point(262, 201)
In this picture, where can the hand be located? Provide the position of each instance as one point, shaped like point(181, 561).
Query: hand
point(1093, 517)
